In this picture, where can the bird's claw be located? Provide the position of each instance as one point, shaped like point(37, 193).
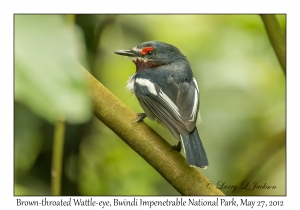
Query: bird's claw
point(141, 117)
point(177, 147)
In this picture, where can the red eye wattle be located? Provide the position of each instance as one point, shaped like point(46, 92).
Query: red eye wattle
point(145, 50)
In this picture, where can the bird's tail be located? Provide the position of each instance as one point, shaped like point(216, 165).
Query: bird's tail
point(194, 150)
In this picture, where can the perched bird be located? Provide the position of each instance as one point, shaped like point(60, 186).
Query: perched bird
point(166, 90)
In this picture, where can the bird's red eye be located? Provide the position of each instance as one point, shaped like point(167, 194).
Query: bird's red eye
point(146, 50)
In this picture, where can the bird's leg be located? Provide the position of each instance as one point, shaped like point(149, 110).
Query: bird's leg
point(178, 146)
point(142, 116)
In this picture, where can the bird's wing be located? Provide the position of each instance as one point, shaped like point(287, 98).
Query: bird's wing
point(188, 103)
point(176, 105)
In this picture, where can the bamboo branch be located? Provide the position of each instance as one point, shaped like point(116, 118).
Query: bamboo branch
point(276, 38)
point(57, 156)
point(146, 142)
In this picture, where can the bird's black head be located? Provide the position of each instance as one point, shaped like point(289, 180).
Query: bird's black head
point(152, 54)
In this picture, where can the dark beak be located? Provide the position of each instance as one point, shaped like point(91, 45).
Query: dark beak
point(129, 53)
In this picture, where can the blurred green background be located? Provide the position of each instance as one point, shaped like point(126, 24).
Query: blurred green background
point(242, 88)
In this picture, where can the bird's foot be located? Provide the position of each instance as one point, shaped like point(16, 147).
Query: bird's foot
point(142, 116)
point(178, 146)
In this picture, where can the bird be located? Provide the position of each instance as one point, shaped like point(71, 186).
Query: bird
point(167, 91)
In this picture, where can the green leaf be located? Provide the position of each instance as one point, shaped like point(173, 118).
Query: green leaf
point(48, 78)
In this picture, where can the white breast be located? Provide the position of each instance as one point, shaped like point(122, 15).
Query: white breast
point(130, 83)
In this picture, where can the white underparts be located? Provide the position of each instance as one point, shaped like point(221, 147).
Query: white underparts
point(130, 83)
